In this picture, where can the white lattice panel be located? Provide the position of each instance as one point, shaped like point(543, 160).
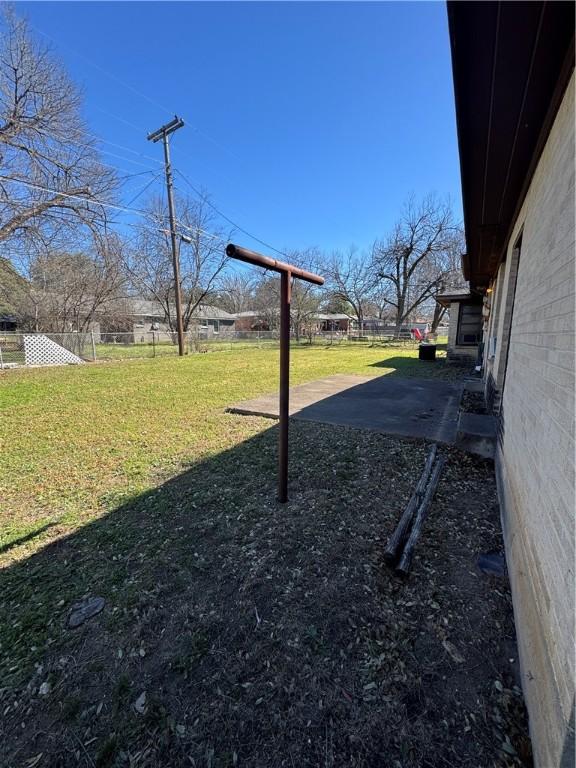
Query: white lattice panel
point(40, 350)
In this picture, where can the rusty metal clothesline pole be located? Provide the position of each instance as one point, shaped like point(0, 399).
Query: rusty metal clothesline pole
point(284, 410)
point(287, 272)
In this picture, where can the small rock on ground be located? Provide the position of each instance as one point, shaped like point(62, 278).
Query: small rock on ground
point(83, 611)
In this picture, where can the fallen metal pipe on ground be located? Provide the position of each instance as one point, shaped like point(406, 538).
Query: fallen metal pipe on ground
point(397, 539)
point(403, 567)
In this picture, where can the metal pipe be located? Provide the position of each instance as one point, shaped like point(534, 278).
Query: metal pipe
point(251, 257)
point(285, 296)
point(287, 272)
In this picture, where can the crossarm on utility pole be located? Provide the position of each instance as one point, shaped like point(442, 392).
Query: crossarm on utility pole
point(287, 272)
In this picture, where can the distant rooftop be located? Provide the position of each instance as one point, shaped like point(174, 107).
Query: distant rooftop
point(151, 308)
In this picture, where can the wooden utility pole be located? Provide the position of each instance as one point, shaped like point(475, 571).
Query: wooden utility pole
point(163, 133)
point(287, 273)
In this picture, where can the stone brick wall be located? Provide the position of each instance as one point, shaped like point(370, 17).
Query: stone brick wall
point(456, 353)
point(535, 459)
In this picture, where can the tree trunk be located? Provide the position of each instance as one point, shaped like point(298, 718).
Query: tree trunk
point(439, 312)
point(401, 299)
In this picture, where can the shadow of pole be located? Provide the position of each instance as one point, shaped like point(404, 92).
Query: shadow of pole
point(235, 625)
point(27, 537)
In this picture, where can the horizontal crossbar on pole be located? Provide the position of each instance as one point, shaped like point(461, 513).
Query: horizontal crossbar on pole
point(251, 257)
point(166, 129)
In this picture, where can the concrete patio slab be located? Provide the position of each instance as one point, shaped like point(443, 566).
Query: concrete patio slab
point(417, 408)
point(301, 396)
point(477, 434)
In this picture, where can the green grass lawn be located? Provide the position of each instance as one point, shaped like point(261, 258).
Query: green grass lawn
point(80, 440)
point(80, 443)
point(237, 630)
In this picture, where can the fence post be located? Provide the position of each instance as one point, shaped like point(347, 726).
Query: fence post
point(93, 347)
point(153, 343)
point(1, 361)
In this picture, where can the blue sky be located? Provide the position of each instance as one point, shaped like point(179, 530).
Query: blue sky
point(308, 123)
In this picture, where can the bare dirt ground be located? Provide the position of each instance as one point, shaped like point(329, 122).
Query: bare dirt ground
point(240, 632)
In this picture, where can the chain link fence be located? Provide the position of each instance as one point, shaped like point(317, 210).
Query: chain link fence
point(30, 349)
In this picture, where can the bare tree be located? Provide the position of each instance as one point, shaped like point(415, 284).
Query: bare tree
point(415, 258)
point(305, 297)
point(51, 177)
point(267, 299)
point(236, 292)
point(351, 279)
point(202, 257)
point(445, 276)
point(68, 290)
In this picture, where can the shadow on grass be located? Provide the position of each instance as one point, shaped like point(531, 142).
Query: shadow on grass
point(240, 631)
point(26, 538)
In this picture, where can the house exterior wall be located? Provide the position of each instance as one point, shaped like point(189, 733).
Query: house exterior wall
point(457, 353)
point(246, 323)
point(325, 326)
point(534, 386)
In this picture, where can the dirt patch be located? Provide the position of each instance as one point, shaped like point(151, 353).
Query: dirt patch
point(473, 402)
point(238, 631)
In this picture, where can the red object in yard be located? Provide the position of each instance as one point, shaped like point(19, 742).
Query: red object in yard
point(417, 334)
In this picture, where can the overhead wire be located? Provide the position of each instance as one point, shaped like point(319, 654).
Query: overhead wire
point(227, 218)
point(145, 187)
point(139, 154)
point(104, 71)
point(134, 90)
point(12, 179)
point(84, 145)
point(139, 212)
point(69, 217)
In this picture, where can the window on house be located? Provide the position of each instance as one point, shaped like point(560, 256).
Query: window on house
point(469, 325)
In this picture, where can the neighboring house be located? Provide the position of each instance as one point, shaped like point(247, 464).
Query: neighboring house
point(250, 320)
point(212, 321)
point(465, 329)
point(513, 67)
point(331, 322)
point(253, 321)
point(135, 319)
point(375, 325)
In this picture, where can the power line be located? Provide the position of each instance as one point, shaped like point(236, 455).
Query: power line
point(229, 220)
point(118, 146)
point(104, 71)
point(134, 90)
point(72, 196)
point(146, 186)
point(85, 145)
point(137, 128)
point(69, 217)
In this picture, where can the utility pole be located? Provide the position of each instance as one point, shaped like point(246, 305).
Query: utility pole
point(163, 133)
